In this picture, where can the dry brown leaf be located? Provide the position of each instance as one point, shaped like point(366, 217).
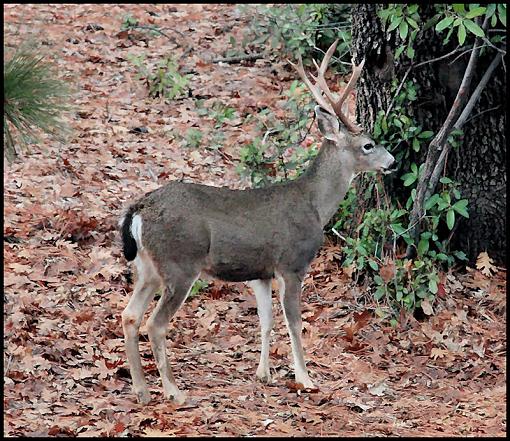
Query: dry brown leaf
point(485, 264)
point(427, 307)
point(387, 271)
point(436, 353)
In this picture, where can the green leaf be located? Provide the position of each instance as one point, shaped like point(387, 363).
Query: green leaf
point(395, 22)
point(377, 130)
point(423, 246)
point(445, 180)
point(373, 265)
point(476, 12)
point(399, 51)
point(414, 168)
point(411, 9)
point(450, 219)
point(474, 28)
point(426, 134)
point(384, 125)
point(416, 145)
point(410, 52)
point(432, 286)
point(444, 23)
point(502, 18)
point(379, 294)
point(448, 35)
point(491, 9)
point(408, 179)
point(412, 23)
point(459, 7)
point(460, 255)
point(460, 207)
point(397, 228)
point(404, 29)
point(431, 201)
point(441, 205)
point(461, 34)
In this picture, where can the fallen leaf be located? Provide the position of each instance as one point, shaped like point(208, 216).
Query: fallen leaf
point(378, 390)
point(436, 353)
point(485, 264)
point(427, 307)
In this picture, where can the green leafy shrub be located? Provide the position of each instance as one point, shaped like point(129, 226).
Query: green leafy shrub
point(300, 28)
point(375, 234)
point(198, 287)
point(278, 155)
point(163, 79)
point(193, 138)
point(375, 238)
point(34, 99)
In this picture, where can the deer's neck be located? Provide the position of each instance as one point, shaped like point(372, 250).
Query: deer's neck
point(328, 179)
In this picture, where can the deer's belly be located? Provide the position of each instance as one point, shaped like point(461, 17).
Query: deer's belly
point(237, 272)
point(240, 262)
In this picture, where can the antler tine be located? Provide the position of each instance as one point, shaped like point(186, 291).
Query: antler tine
point(356, 72)
point(329, 102)
point(313, 88)
point(321, 72)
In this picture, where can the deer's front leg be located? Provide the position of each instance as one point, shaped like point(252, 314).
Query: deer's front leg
point(290, 297)
point(262, 290)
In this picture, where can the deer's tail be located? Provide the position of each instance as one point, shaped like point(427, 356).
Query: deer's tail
point(129, 247)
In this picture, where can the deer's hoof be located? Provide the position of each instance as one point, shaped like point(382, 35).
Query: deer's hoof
point(264, 375)
point(305, 381)
point(177, 397)
point(143, 396)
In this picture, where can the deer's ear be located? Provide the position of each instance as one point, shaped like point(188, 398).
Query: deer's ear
point(328, 124)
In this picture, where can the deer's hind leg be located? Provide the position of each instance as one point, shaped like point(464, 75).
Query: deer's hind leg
point(147, 284)
point(177, 284)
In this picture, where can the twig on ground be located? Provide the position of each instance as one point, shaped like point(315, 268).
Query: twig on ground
point(159, 31)
point(239, 58)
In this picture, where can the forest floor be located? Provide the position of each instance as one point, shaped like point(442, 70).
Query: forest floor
point(66, 283)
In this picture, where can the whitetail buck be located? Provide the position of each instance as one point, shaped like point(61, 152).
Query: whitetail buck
point(182, 230)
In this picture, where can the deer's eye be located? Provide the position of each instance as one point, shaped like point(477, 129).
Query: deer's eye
point(367, 148)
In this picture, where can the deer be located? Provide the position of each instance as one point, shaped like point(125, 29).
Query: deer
point(183, 231)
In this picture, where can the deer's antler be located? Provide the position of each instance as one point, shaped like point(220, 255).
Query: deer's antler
point(328, 100)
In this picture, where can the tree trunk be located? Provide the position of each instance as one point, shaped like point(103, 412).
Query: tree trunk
point(479, 163)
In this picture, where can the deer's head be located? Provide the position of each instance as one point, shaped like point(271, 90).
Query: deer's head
point(334, 124)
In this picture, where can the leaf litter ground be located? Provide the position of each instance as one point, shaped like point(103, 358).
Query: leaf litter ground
point(66, 284)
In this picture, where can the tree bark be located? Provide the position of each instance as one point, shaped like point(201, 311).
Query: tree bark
point(479, 163)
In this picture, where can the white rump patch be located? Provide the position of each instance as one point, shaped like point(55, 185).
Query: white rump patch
point(136, 230)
